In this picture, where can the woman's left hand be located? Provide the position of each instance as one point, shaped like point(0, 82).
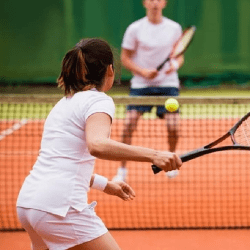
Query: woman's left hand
point(120, 189)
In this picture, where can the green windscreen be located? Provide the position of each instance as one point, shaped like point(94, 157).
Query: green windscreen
point(34, 36)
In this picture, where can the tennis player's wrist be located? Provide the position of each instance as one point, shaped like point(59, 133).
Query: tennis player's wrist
point(175, 64)
point(99, 182)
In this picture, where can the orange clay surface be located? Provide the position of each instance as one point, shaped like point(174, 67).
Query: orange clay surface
point(156, 240)
point(212, 191)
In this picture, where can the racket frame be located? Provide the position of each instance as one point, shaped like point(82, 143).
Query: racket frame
point(207, 149)
point(183, 51)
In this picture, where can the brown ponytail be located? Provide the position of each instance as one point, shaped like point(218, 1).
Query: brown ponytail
point(85, 65)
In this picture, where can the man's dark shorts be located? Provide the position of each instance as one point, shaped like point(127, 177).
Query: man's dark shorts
point(153, 91)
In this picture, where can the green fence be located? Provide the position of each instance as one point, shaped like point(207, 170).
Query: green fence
point(34, 35)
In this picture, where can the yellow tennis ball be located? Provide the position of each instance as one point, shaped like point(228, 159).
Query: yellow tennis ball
point(171, 104)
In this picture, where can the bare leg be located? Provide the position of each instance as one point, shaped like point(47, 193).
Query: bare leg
point(173, 130)
point(130, 125)
point(104, 242)
point(172, 120)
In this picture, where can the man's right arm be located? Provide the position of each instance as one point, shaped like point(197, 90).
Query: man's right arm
point(128, 63)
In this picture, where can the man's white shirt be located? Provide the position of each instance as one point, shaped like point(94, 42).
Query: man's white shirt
point(152, 44)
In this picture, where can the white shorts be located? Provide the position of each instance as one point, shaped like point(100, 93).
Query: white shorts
point(49, 231)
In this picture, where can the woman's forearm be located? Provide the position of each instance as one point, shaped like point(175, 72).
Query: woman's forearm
point(108, 149)
point(101, 146)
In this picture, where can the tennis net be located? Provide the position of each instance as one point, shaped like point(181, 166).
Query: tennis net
point(210, 192)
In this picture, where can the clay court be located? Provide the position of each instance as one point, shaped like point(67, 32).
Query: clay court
point(156, 240)
point(211, 192)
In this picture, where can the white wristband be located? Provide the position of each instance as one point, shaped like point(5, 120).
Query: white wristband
point(175, 64)
point(100, 182)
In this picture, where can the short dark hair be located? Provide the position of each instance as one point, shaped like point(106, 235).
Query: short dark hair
point(85, 65)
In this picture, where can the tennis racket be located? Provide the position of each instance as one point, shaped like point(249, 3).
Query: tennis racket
point(181, 45)
point(240, 137)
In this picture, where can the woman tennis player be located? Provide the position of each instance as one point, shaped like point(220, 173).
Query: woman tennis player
point(52, 203)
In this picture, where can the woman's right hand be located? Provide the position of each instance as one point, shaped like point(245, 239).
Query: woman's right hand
point(167, 161)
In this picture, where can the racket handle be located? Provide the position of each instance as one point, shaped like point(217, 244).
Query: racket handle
point(161, 65)
point(156, 169)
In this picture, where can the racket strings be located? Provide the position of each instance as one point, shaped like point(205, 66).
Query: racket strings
point(242, 134)
point(184, 42)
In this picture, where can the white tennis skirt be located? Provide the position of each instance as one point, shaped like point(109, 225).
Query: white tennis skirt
point(49, 231)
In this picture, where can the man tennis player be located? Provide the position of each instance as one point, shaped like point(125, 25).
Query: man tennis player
point(52, 203)
point(147, 42)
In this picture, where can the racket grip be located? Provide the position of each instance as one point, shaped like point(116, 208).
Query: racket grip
point(156, 169)
point(160, 67)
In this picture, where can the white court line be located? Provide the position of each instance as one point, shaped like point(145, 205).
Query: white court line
point(11, 130)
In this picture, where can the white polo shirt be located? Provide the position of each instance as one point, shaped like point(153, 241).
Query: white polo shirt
point(152, 44)
point(61, 176)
